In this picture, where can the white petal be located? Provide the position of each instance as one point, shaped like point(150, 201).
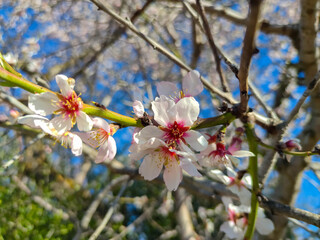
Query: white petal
point(65, 87)
point(264, 226)
point(247, 180)
point(187, 110)
point(162, 109)
point(191, 84)
point(89, 138)
point(101, 123)
point(243, 193)
point(231, 172)
point(172, 175)
point(243, 153)
point(34, 121)
point(151, 166)
point(76, 144)
point(84, 122)
point(61, 124)
point(112, 147)
point(138, 109)
point(168, 89)
point(147, 133)
point(227, 202)
point(220, 176)
point(107, 151)
point(43, 103)
point(190, 168)
point(235, 161)
point(103, 153)
point(196, 140)
point(231, 230)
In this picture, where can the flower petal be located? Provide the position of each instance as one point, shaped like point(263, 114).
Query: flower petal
point(172, 175)
point(138, 108)
point(65, 87)
point(220, 176)
point(84, 122)
point(76, 144)
point(189, 168)
point(147, 133)
point(151, 166)
point(231, 230)
point(264, 226)
point(34, 121)
point(187, 110)
point(112, 147)
point(168, 89)
point(196, 140)
point(163, 110)
point(43, 103)
point(191, 84)
point(103, 153)
point(61, 124)
point(243, 153)
point(101, 123)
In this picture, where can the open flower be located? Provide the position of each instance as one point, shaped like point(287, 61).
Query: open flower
point(101, 137)
point(237, 183)
point(236, 225)
point(67, 139)
point(191, 86)
point(216, 155)
point(67, 105)
point(167, 144)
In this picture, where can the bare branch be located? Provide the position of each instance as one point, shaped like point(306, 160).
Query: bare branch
point(109, 213)
point(102, 4)
point(95, 203)
point(248, 51)
point(213, 47)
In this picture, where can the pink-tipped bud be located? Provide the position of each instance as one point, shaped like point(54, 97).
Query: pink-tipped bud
point(293, 144)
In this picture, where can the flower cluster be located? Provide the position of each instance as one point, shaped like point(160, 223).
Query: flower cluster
point(237, 222)
point(67, 109)
point(167, 141)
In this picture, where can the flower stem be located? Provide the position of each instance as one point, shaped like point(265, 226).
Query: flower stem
point(91, 110)
point(253, 170)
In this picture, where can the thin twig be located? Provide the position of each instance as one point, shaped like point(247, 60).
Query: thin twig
point(213, 47)
point(109, 213)
point(7, 164)
point(146, 213)
point(95, 203)
point(311, 86)
point(233, 66)
point(102, 4)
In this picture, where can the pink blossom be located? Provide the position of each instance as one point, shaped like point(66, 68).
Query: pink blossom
point(216, 155)
point(236, 225)
point(236, 185)
point(191, 86)
point(101, 137)
point(168, 144)
point(68, 106)
point(67, 139)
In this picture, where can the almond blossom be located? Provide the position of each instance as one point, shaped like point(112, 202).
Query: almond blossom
point(101, 137)
point(237, 183)
point(67, 139)
point(168, 144)
point(236, 225)
point(191, 86)
point(216, 155)
point(67, 105)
